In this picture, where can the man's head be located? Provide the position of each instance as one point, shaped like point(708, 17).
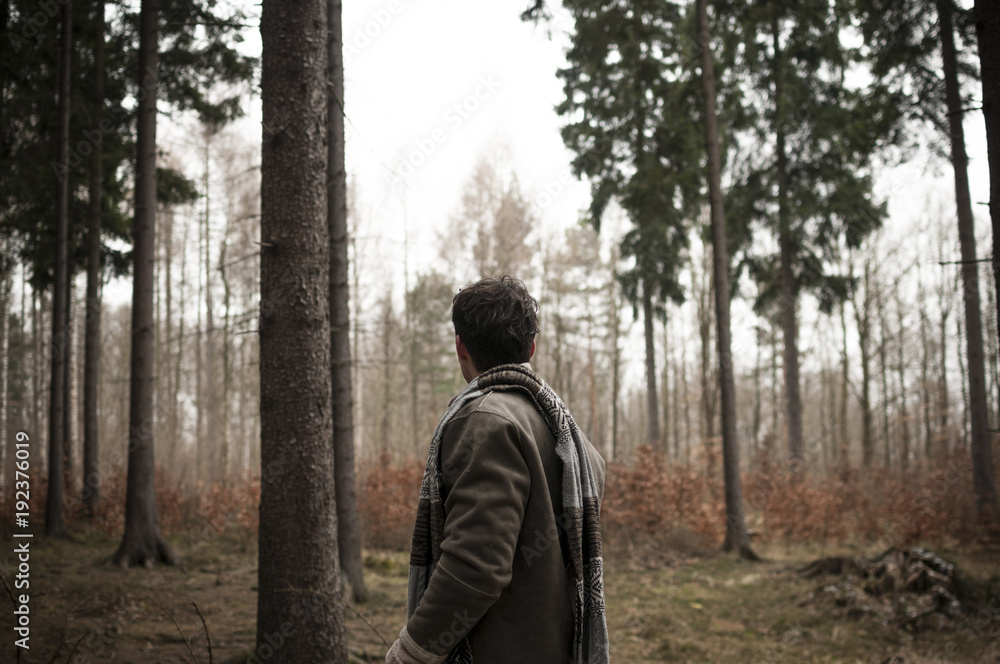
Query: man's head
point(496, 321)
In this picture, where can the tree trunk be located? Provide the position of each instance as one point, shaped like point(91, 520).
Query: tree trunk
point(615, 358)
point(789, 292)
point(963, 374)
point(757, 400)
point(987, 14)
point(179, 359)
point(143, 543)
point(982, 453)
point(55, 525)
point(92, 334)
point(737, 537)
point(863, 319)
point(925, 361)
point(904, 415)
point(652, 402)
point(6, 450)
point(883, 365)
point(843, 449)
point(299, 571)
point(348, 528)
point(708, 385)
point(68, 382)
point(227, 350)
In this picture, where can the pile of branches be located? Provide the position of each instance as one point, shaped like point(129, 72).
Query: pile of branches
point(909, 588)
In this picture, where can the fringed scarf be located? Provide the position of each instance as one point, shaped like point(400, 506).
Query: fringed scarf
point(581, 515)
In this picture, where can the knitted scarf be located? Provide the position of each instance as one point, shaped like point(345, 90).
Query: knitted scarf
point(581, 517)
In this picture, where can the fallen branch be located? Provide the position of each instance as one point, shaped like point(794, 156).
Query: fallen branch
point(171, 616)
point(205, 625)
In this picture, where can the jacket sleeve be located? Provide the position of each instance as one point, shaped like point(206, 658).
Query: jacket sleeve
point(487, 482)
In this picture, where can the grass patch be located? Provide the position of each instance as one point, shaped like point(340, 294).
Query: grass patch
point(708, 609)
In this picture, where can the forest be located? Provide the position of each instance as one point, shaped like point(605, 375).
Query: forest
point(764, 238)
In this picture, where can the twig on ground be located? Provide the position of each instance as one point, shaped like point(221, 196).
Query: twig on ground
point(378, 633)
point(205, 625)
point(171, 616)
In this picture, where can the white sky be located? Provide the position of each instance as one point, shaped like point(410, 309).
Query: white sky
point(432, 86)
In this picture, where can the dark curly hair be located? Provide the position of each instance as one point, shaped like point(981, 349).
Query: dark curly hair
point(497, 320)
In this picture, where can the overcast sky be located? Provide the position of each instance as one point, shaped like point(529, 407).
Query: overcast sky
point(433, 85)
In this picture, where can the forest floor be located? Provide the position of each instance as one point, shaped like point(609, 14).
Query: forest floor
point(700, 609)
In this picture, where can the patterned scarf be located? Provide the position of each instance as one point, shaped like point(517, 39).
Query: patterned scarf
point(581, 517)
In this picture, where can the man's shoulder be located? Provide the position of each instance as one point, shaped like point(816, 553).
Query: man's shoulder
point(513, 406)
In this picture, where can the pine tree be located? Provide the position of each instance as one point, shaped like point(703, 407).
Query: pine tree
point(630, 106)
point(810, 185)
point(923, 51)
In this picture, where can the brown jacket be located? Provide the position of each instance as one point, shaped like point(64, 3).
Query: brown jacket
point(502, 576)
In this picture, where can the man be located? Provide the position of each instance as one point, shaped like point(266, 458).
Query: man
point(505, 565)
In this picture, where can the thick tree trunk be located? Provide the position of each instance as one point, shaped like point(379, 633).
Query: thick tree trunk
point(652, 402)
point(300, 613)
point(348, 528)
point(737, 537)
point(982, 455)
point(987, 13)
point(92, 335)
point(55, 525)
point(143, 543)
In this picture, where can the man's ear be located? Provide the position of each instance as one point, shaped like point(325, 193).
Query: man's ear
point(532, 353)
point(463, 352)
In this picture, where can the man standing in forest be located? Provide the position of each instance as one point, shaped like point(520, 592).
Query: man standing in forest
point(505, 564)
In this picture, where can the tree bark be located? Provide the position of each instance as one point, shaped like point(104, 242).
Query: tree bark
point(55, 525)
point(652, 402)
point(92, 335)
point(737, 537)
point(987, 14)
point(142, 542)
point(300, 614)
point(981, 450)
point(348, 528)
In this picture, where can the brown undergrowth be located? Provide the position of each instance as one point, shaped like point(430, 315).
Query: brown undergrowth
point(650, 505)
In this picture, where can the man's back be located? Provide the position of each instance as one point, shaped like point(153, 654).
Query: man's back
point(503, 553)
